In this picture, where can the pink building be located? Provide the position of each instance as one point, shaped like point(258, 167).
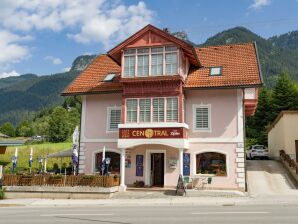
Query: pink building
point(162, 107)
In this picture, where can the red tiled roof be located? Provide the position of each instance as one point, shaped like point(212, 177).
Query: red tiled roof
point(91, 79)
point(238, 61)
point(239, 67)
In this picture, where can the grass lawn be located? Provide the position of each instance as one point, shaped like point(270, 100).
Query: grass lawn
point(38, 150)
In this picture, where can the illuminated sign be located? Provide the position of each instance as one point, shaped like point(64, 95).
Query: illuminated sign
point(152, 133)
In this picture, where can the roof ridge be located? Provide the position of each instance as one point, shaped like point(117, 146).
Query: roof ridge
point(225, 45)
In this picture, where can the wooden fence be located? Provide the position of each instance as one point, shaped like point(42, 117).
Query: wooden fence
point(59, 181)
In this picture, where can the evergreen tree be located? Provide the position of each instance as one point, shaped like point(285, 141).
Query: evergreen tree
point(8, 129)
point(284, 96)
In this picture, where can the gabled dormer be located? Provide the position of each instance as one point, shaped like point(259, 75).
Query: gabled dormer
point(152, 52)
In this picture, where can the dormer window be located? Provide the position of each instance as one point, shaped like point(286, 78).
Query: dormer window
point(154, 61)
point(215, 71)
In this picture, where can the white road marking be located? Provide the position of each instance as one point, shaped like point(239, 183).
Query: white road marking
point(222, 213)
point(52, 215)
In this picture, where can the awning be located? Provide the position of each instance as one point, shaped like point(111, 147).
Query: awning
point(5, 143)
point(61, 154)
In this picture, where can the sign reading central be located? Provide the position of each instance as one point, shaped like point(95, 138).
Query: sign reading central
point(151, 133)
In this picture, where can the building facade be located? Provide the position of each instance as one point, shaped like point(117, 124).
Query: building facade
point(161, 107)
point(283, 135)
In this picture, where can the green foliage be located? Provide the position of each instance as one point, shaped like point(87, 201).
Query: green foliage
point(285, 95)
point(8, 129)
point(24, 129)
point(59, 127)
point(2, 193)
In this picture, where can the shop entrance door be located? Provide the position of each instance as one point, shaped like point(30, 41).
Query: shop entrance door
point(157, 169)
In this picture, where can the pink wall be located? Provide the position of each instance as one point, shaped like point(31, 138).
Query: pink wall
point(223, 108)
point(96, 115)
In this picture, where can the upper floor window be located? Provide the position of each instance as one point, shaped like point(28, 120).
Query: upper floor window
point(153, 61)
point(202, 117)
point(114, 118)
point(152, 110)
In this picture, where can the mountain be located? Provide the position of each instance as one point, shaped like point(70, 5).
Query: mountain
point(287, 41)
point(6, 82)
point(27, 94)
point(274, 58)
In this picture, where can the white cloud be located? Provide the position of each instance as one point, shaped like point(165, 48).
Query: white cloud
point(8, 74)
point(86, 21)
point(257, 4)
point(54, 60)
point(11, 48)
point(67, 69)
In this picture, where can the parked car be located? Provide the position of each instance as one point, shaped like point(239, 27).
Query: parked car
point(257, 151)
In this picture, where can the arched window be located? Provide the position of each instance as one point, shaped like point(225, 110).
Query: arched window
point(114, 166)
point(211, 163)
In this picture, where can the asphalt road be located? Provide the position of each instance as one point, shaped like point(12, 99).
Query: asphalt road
point(151, 214)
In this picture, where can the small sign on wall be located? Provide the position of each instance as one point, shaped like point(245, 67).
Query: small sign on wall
point(186, 164)
point(139, 165)
point(127, 159)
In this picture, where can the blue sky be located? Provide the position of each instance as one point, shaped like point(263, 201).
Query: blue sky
point(44, 37)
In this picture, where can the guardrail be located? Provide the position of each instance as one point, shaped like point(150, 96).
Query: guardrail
point(60, 180)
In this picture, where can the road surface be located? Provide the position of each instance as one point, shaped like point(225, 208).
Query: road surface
point(267, 178)
point(286, 214)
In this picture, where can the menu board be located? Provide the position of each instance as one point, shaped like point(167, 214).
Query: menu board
point(139, 165)
point(186, 164)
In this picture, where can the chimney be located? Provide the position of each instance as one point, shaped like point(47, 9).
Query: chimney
point(166, 29)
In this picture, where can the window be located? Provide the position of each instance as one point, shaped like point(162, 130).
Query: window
point(211, 163)
point(158, 110)
point(145, 110)
point(215, 71)
point(152, 110)
point(114, 166)
point(109, 77)
point(114, 118)
point(172, 109)
point(171, 63)
point(201, 117)
point(137, 61)
point(129, 66)
point(131, 110)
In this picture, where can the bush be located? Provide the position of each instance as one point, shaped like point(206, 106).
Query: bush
point(2, 194)
point(88, 177)
point(58, 176)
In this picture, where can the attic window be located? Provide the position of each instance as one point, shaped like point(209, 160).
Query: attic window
point(109, 77)
point(215, 71)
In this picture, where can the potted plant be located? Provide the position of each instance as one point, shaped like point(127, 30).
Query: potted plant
point(139, 183)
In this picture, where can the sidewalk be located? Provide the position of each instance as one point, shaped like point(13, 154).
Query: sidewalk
point(150, 199)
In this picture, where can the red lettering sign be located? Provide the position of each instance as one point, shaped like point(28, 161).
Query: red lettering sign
point(152, 133)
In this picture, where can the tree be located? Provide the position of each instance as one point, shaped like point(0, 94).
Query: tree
point(284, 96)
point(58, 125)
point(24, 129)
point(8, 129)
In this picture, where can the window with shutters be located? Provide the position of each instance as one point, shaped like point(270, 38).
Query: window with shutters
point(172, 109)
point(202, 118)
point(158, 109)
point(114, 118)
point(131, 110)
point(145, 110)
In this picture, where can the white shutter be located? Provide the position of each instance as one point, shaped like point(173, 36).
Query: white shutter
point(171, 63)
point(145, 110)
point(202, 118)
point(172, 109)
point(143, 65)
point(131, 110)
point(158, 110)
point(129, 66)
point(156, 64)
point(114, 118)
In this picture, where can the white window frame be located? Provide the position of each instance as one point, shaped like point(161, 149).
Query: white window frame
point(151, 112)
point(164, 52)
point(109, 109)
point(194, 117)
